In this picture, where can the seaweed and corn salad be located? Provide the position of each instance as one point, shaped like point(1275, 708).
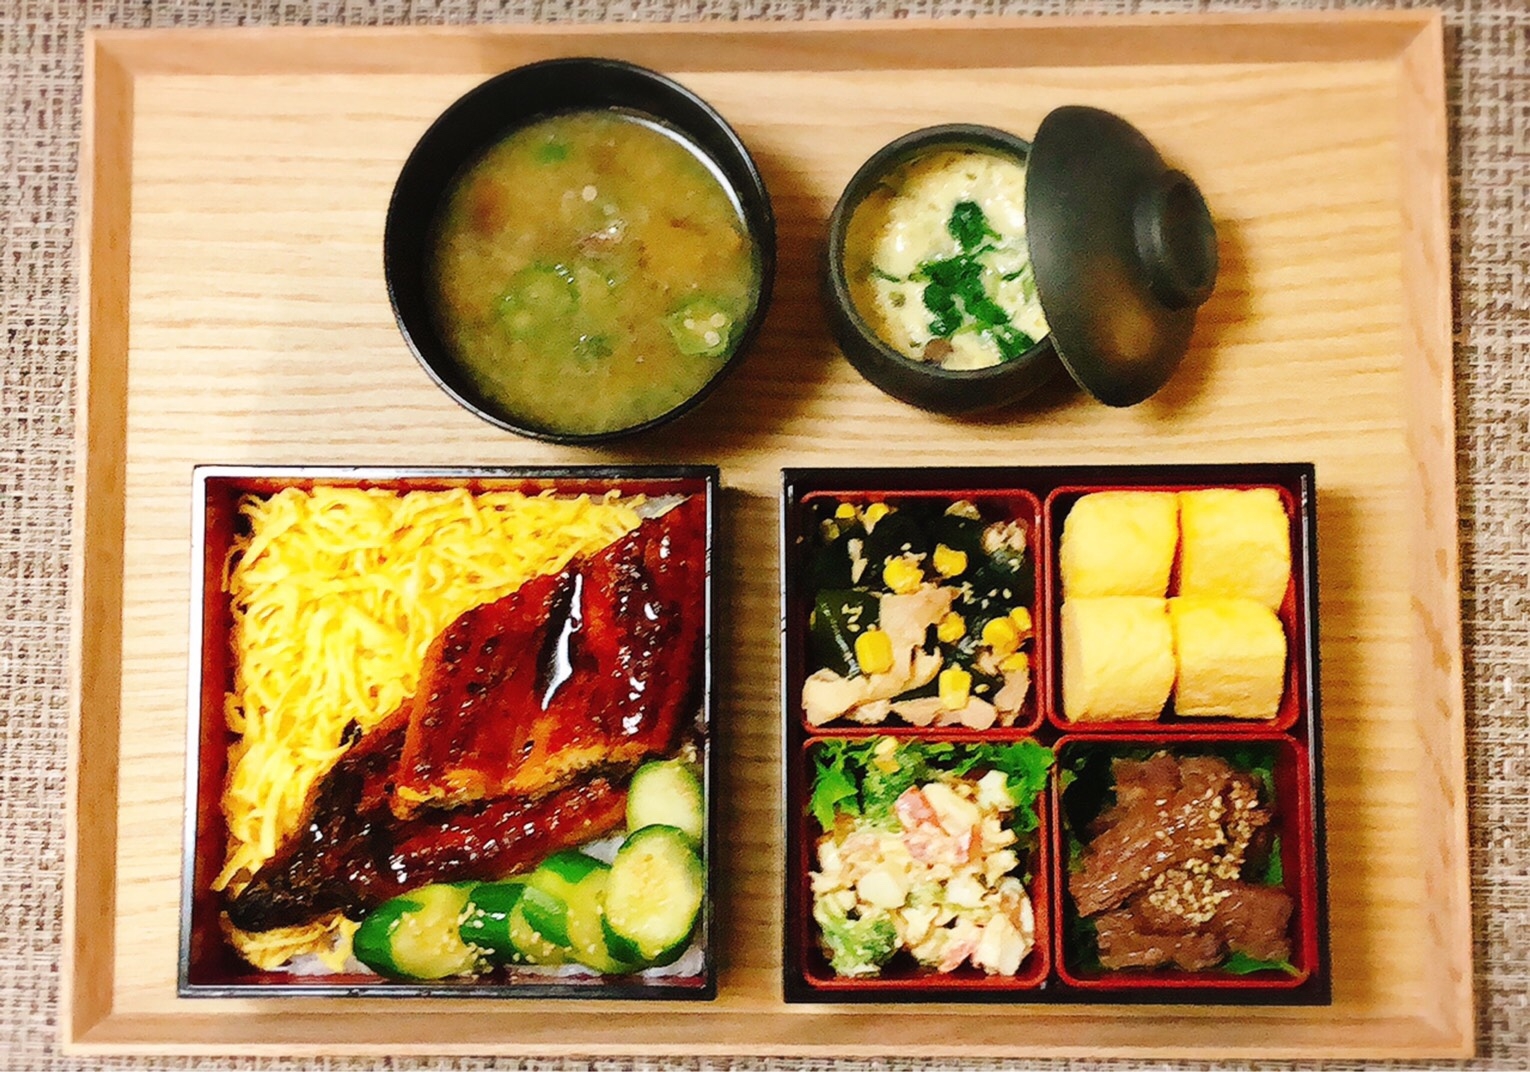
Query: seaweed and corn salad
point(920, 614)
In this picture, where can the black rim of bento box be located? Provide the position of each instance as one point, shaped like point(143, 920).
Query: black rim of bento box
point(581, 989)
point(1298, 477)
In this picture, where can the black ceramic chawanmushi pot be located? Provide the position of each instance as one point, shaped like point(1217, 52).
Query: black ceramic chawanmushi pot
point(965, 264)
point(579, 249)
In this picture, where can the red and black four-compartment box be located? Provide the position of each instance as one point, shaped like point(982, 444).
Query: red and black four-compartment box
point(842, 765)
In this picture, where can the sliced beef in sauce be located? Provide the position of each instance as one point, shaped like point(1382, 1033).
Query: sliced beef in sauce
point(1125, 943)
point(1254, 920)
point(1149, 834)
point(1162, 871)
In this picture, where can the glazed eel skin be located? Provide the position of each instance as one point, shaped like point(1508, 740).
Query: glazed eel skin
point(531, 713)
point(589, 667)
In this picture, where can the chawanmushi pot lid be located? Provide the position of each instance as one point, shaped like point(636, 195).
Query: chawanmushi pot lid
point(1123, 249)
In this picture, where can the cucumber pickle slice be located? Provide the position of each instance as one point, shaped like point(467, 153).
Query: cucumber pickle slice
point(486, 918)
point(586, 910)
point(415, 936)
point(666, 793)
point(545, 902)
point(531, 946)
point(653, 896)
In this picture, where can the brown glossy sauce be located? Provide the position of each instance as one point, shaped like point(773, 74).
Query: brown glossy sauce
point(530, 711)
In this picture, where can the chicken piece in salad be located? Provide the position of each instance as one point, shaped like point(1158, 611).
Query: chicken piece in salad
point(925, 854)
point(920, 612)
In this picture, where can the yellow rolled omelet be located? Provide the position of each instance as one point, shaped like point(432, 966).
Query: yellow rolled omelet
point(1117, 658)
point(1234, 543)
point(1231, 656)
point(1119, 543)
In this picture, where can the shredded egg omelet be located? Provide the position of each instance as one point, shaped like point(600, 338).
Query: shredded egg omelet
point(336, 595)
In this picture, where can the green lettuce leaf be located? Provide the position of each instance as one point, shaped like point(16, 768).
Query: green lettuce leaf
point(1243, 964)
point(850, 776)
point(1274, 871)
point(833, 788)
point(1081, 943)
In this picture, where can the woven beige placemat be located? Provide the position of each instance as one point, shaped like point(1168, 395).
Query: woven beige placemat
point(40, 47)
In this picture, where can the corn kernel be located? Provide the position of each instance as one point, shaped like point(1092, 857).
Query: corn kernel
point(951, 628)
point(845, 511)
point(873, 652)
point(1018, 661)
point(902, 575)
point(1002, 636)
point(874, 513)
point(949, 562)
point(955, 688)
point(1022, 619)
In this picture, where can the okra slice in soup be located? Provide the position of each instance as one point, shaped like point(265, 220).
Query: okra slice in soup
point(701, 328)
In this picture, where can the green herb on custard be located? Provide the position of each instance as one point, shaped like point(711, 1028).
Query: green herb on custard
point(955, 293)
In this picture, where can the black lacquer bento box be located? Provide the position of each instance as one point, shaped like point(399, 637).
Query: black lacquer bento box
point(624, 601)
point(1162, 693)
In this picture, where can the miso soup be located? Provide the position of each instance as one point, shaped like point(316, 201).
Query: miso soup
point(591, 272)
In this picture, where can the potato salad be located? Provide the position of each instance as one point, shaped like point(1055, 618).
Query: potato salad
point(924, 854)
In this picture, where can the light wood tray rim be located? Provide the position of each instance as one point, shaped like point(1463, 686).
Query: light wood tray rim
point(1444, 1023)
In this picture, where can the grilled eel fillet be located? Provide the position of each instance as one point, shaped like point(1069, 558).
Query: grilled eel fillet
point(353, 853)
point(591, 667)
point(529, 711)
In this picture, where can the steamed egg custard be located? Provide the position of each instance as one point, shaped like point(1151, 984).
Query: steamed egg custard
point(592, 272)
point(937, 261)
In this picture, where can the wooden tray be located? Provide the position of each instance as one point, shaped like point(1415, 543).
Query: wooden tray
point(233, 185)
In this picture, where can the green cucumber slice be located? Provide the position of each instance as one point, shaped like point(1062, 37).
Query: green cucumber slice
point(530, 945)
point(548, 889)
point(586, 910)
point(486, 918)
point(545, 902)
point(654, 896)
point(562, 871)
point(415, 936)
point(372, 944)
point(547, 914)
point(667, 793)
